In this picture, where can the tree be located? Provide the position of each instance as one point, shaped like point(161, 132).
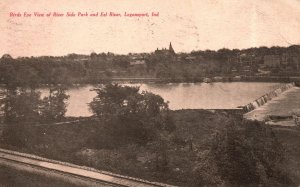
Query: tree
point(130, 116)
point(59, 76)
point(20, 105)
point(54, 106)
point(122, 61)
point(244, 154)
point(28, 76)
point(8, 74)
point(20, 108)
point(6, 57)
point(23, 108)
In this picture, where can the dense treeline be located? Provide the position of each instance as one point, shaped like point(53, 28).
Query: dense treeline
point(227, 63)
point(22, 108)
point(95, 68)
point(33, 71)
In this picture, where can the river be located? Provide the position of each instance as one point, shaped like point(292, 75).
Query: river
point(228, 95)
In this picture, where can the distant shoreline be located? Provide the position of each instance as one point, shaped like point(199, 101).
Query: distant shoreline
point(132, 80)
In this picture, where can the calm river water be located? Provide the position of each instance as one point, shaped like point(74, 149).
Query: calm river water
point(219, 95)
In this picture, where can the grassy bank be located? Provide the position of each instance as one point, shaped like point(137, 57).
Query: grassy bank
point(81, 143)
point(290, 137)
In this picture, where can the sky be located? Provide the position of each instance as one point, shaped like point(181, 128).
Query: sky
point(188, 24)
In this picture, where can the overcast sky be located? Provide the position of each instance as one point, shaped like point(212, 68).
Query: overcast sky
point(188, 24)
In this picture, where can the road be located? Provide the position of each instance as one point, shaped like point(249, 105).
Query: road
point(81, 176)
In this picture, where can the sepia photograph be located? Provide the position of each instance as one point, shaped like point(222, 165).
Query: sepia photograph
point(149, 93)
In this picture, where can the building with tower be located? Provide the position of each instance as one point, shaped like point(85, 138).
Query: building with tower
point(165, 51)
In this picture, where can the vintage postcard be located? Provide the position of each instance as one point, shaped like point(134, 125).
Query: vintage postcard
point(149, 93)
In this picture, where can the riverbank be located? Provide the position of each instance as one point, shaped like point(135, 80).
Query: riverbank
point(78, 143)
point(210, 79)
point(282, 79)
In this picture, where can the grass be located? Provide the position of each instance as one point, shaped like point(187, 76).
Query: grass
point(290, 137)
point(76, 143)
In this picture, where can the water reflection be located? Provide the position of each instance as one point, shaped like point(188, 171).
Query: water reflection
point(182, 95)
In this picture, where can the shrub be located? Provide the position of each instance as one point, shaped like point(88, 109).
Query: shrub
point(241, 154)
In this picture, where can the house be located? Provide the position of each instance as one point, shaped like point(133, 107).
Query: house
point(137, 62)
point(234, 70)
point(190, 58)
point(246, 68)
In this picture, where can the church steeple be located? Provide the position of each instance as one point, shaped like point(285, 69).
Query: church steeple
point(165, 51)
point(171, 48)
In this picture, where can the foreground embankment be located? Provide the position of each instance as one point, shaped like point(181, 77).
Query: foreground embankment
point(80, 143)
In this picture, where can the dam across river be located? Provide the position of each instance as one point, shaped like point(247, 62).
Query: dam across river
point(282, 110)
